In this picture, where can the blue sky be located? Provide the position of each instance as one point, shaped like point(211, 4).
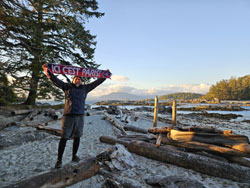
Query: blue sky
point(163, 46)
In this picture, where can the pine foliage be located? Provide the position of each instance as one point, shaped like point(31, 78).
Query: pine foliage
point(34, 32)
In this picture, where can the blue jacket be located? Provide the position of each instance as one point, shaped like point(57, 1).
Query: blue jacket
point(75, 96)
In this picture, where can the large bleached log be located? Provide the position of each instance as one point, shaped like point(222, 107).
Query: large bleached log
point(63, 177)
point(211, 148)
point(114, 122)
point(208, 137)
point(50, 130)
point(113, 141)
point(20, 112)
point(144, 137)
point(238, 142)
point(198, 163)
point(207, 130)
point(54, 114)
point(135, 129)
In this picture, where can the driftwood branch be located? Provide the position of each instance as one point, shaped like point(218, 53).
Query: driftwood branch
point(63, 177)
point(114, 122)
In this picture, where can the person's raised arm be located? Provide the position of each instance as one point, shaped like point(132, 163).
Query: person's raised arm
point(96, 83)
point(57, 82)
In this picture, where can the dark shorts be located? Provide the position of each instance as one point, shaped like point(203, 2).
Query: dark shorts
point(72, 126)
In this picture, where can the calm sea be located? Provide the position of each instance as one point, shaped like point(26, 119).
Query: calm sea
point(245, 113)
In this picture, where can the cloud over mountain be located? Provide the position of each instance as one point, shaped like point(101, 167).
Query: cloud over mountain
point(106, 89)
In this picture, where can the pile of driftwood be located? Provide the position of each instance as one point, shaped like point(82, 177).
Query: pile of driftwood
point(206, 150)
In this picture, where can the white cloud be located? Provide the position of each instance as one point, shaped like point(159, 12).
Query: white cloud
point(105, 89)
point(193, 88)
point(119, 78)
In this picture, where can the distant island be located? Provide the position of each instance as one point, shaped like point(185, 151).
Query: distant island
point(181, 96)
point(165, 100)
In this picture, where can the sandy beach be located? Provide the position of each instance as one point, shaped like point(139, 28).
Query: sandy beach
point(26, 159)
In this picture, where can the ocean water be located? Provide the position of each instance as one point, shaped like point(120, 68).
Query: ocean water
point(245, 113)
point(59, 102)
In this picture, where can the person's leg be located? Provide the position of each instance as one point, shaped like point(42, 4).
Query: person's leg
point(77, 132)
point(67, 130)
point(76, 143)
point(61, 148)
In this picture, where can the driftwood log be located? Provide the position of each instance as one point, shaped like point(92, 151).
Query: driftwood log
point(20, 112)
point(187, 160)
point(211, 148)
point(114, 122)
point(63, 177)
point(238, 142)
point(191, 146)
point(207, 130)
point(157, 130)
point(240, 160)
point(135, 129)
point(49, 130)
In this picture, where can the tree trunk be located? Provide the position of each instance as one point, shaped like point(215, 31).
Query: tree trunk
point(37, 52)
point(63, 177)
point(31, 100)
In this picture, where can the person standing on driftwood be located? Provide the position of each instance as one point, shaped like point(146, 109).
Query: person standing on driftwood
point(73, 118)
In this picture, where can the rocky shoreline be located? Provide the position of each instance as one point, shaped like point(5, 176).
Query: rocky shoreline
point(228, 105)
point(26, 151)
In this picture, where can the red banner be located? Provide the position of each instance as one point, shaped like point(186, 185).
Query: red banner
point(78, 71)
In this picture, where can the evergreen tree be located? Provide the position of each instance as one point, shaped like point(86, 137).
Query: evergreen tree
point(232, 89)
point(34, 32)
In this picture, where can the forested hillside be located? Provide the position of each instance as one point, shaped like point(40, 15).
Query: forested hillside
point(180, 96)
point(232, 89)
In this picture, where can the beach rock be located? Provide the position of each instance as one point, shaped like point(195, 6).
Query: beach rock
point(120, 159)
point(173, 182)
point(111, 184)
point(14, 136)
point(114, 110)
point(144, 109)
point(100, 108)
point(164, 109)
